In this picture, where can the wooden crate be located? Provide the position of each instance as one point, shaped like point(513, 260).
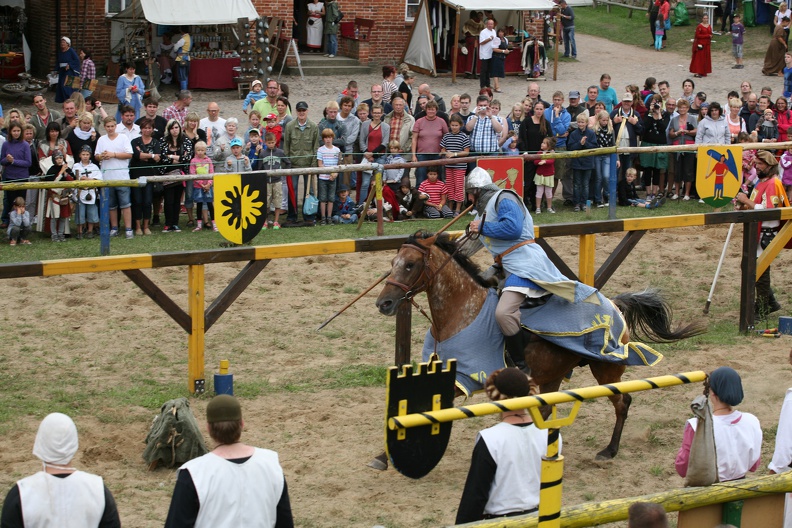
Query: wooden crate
point(106, 94)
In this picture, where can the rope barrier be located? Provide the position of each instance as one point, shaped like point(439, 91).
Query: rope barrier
point(366, 167)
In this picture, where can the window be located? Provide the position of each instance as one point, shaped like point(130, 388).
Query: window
point(410, 10)
point(113, 7)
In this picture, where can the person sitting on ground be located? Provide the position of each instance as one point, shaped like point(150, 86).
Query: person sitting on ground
point(738, 435)
point(628, 194)
point(19, 223)
point(505, 470)
point(344, 207)
point(410, 203)
point(59, 494)
point(646, 515)
point(435, 195)
point(233, 485)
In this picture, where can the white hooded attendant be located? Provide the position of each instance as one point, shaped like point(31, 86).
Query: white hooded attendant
point(59, 495)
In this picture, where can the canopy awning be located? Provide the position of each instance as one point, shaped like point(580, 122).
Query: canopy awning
point(502, 5)
point(188, 12)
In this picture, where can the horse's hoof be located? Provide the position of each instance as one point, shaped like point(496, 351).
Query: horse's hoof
point(604, 456)
point(378, 464)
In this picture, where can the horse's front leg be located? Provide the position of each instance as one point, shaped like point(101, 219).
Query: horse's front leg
point(612, 373)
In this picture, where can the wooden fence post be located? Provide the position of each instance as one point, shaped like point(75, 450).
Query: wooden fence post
point(586, 257)
point(748, 275)
point(403, 334)
point(195, 291)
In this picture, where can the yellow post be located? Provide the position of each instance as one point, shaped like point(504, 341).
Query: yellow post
point(195, 362)
point(552, 480)
point(586, 264)
point(380, 211)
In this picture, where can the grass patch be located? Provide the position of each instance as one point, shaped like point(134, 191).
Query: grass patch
point(635, 32)
point(344, 378)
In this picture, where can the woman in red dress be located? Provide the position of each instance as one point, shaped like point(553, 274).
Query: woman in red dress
point(701, 62)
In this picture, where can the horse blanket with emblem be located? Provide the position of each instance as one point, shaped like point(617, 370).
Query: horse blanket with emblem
point(588, 330)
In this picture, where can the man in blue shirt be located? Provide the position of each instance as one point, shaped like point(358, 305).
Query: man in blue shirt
point(607, 94)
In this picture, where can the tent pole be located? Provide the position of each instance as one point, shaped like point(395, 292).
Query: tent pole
point(455, 54)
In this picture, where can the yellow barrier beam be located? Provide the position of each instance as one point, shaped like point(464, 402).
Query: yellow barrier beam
point(551, 398)
point(597, 513)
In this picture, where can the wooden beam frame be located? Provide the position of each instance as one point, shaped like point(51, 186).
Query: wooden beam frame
point(161, 298)
point(233, 291)
point(556, 259)
point(616, 257)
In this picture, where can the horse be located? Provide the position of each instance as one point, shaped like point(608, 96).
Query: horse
point(456, 292)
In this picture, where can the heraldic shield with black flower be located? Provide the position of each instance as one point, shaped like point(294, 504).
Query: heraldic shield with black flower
point(240, 206)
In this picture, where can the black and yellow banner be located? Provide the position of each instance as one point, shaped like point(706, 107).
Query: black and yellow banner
point(240, 206)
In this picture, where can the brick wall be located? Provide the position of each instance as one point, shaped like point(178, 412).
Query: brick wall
point(86, 25)
point(390, 31)
point(90, 27)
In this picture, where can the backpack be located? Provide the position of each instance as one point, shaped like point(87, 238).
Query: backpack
point(174, 437)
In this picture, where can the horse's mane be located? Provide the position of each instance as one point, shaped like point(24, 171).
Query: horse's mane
point(446, 243)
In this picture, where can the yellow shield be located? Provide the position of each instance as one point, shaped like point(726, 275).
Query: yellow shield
point(240, 206)
point(718, 173)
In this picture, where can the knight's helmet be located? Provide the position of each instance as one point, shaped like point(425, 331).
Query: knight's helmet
point(477, 179)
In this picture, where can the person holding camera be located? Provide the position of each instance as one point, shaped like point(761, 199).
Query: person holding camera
point(485, 128)
point(655, 164)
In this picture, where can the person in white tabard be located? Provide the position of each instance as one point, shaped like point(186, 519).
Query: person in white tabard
point(233, 485)
point(738, 435)
point(504, 475)
point(59, 495)
point(782, 455)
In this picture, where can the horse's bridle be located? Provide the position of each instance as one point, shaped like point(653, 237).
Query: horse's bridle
point(426, 273)
point(424, 280)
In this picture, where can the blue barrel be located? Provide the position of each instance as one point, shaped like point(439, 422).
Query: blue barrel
point(224, 384)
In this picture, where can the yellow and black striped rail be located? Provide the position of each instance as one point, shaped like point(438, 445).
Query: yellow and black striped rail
point(552, 398)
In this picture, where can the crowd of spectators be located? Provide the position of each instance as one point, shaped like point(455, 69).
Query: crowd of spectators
point(377, 124)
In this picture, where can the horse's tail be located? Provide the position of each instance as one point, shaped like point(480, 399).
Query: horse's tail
point(648, 315)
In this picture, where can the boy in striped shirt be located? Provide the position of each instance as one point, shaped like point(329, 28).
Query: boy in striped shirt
point(435, 195)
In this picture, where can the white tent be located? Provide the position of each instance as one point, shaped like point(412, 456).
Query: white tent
point(420, 50)
point(188, 12)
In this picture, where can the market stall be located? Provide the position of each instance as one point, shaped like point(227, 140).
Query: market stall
point(12, 39)
point(434, 44)
point(215, 38)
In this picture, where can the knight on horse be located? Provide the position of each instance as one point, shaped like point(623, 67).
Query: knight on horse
point(566, 312)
